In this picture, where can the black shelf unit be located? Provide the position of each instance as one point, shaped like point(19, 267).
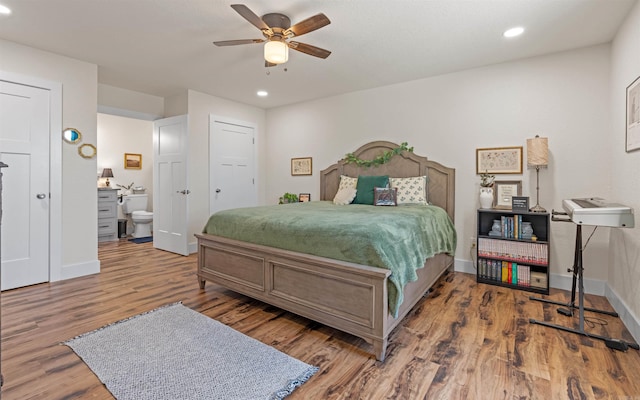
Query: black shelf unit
point(498, 256)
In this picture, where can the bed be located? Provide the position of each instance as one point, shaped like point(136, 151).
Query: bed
point(348, 296)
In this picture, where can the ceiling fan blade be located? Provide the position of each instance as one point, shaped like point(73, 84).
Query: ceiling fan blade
point(308, 25)
point(250, 16)
point(309, 49)
point(237, 42)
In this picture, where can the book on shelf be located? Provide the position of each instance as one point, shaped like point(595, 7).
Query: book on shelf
point(507, 272)
point(511, 227)
point(527, 252)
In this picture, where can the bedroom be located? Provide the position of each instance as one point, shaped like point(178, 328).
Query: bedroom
point(438, 116)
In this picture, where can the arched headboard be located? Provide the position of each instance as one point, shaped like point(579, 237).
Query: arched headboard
point(441, 179)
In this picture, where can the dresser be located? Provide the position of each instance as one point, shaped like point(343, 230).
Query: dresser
point(107, 214)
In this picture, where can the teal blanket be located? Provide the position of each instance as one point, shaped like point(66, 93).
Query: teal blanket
point(396, 238)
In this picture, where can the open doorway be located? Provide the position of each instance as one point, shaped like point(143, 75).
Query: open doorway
point(118, 137)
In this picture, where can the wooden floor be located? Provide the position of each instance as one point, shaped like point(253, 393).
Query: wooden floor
point(464, 341)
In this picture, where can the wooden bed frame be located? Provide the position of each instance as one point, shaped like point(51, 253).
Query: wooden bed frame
point(346, 296)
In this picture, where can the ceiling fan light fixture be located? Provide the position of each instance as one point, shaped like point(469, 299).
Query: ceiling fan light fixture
point(276, 52)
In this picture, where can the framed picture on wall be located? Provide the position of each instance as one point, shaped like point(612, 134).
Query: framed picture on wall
point(132, 161)
point(499, 160)
point(301, 166)
point(632, 139)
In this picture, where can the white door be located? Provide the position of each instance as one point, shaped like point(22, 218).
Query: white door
point(232, 174)
point(24, 147)
point(170, 193)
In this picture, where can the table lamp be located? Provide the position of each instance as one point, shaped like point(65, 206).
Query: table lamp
point(107, 173)
point(538, 157)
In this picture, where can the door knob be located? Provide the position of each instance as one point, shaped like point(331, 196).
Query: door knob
point(186, 191)
point(218, 190)
point(41, 196)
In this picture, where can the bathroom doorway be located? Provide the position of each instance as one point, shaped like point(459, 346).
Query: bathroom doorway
point(117, 136)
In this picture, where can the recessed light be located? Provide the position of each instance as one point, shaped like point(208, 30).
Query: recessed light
point(262, 93)
point(4, 10)
point(513, 32)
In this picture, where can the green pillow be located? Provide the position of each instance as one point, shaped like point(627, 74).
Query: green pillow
point(365, 185)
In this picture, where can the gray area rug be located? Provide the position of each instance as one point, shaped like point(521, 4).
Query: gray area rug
point(176, 353)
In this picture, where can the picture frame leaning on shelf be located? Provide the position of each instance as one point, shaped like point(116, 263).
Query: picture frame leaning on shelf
point(504, 191)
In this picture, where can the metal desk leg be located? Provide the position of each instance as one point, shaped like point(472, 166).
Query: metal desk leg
point(578, 277)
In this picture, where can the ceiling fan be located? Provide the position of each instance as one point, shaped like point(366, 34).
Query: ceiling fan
point(277, 30)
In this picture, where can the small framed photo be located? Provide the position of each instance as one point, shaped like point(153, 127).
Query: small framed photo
point(301, 166)
point(503, 192)
point(383, 196)
point(632, 138)
point(499, 160)
point(304, 197)
point(519, 203)
point(132, 161)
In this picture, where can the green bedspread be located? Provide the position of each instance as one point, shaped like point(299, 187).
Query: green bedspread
point(396, 238)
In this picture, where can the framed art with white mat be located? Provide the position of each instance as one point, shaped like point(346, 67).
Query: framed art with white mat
point(632, 122)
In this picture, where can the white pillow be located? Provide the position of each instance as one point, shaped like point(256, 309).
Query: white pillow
point(410, 190)
point(344, 190)
point(345, 196)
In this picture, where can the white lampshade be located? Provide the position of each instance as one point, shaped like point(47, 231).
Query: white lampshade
point(538, 151)
point(276, 52)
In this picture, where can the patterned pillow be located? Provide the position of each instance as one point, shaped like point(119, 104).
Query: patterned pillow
point(410, 190)
point(346, 190)
point(347, 182)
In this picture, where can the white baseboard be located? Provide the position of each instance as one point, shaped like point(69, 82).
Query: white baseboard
point(465, 266)
point(192, 247)
point(629, 319)
point(591, 286)
point(77, 270)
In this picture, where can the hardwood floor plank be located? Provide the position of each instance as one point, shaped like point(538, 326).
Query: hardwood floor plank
point(462, 341)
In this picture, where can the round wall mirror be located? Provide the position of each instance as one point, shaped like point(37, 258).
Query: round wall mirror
point(71, 135)
point(87, 151)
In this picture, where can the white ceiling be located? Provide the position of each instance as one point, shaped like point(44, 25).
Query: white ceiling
point(162, 47)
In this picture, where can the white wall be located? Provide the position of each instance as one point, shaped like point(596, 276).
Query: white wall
point(200, 106)
point(79, 197)
point(624, 261)
point(564, 97)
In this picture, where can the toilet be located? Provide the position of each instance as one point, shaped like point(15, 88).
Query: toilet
point(136, 206)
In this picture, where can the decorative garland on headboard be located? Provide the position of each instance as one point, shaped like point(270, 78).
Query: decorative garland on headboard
point(379, 160)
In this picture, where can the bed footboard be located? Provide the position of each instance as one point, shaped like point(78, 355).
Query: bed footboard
point(346, 296)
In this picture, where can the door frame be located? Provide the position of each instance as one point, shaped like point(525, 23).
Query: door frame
point(225, 120)
point(55, 164)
